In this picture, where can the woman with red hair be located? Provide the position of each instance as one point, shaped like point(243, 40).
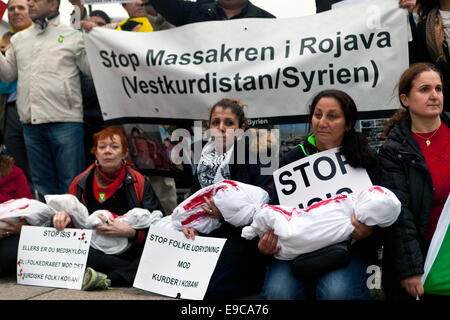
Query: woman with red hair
point(110, 184)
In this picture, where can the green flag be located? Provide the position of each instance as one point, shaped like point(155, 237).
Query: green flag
point(436, 278)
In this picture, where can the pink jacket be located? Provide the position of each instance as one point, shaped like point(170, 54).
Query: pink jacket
point(14, 186)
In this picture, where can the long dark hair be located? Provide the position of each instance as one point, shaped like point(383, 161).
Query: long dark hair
point(355, 146)
point(424, 7)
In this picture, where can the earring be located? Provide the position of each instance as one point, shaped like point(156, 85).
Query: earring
point(97, 163)
point(124, 162)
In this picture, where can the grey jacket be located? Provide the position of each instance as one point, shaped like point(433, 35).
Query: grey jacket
point(47, 62)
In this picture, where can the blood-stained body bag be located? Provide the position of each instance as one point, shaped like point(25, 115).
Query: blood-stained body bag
point(237, 202)
point(324, 223)
point(35, 212)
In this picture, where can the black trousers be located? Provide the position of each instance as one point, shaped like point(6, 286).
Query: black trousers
point(8, 255)
point(121, 269)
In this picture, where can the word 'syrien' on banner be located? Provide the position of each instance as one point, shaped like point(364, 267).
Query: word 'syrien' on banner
point(318, 177)
point(175, 266)
point(51, 258)
point(275, 66)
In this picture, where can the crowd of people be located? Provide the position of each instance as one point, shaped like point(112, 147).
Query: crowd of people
point(56, 142)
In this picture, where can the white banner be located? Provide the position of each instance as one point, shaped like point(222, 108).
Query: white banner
point(273, 65)
point(51, 258)
point(318, 177)
point(174, 266)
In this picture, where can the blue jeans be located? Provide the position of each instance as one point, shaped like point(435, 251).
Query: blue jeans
point(348, 283)
point(55, 155)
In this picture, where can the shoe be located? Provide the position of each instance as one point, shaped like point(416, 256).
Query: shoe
point(94, 280)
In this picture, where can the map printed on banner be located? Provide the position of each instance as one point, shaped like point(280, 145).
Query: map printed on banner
point(274, 66)
point(51, 258)
point(175, 266)
point(318, 177)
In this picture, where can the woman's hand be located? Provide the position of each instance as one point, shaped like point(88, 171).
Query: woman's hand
point(408, 4)
point(361, 230)
point(212, 209)
point(413, 285)
point(115, 228)
point(12, 227)
point(61, 220)
point(268, 243)
point(190, 233)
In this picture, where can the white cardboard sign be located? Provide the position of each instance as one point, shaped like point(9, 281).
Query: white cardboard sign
point(175, 266)
point(50, 258)
point(318, 177)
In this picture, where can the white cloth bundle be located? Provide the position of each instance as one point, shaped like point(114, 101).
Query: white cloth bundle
point(237, 202)
point(323, 223)
point(36, 213)
point(377, 206)
point(136, 218)
point(70, 204)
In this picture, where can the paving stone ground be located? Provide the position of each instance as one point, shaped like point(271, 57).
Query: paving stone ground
point(10, 290)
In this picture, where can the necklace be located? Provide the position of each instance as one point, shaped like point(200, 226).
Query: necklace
point(427, 140)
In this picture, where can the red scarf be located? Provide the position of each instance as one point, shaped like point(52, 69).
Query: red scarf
point(112, 181)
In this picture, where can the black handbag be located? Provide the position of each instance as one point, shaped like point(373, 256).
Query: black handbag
point(312, 265)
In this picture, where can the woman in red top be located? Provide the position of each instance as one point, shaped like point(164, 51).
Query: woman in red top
point(415, 163)
point(13, 185)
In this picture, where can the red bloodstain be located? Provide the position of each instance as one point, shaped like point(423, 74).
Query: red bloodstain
point(18, 263)
point(232, 183)
point(287, 214)
point(21, 208)
point(336, 199)
point(199, 199)
point(194, 217)
point(377, 188)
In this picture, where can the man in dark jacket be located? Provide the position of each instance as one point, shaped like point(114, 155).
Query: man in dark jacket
point(180, 12)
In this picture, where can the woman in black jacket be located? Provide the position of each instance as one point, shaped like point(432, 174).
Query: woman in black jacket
point(110, 184)
point(415, 166)
point(240, 269)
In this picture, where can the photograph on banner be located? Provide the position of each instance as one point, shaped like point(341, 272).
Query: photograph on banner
point(373, 130)
point(318, 177)
point(175, 266)
point(50, 258)
point(272, 65)
point(291, 135)
point(147, 150)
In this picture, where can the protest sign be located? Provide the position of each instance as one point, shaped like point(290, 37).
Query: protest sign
point(174, 266)
point(318, 177)
point(274, 66)
point(51, 258)
point(436, 277)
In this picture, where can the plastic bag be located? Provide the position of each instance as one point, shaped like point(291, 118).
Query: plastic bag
point(237, 201)
point(36, 213)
